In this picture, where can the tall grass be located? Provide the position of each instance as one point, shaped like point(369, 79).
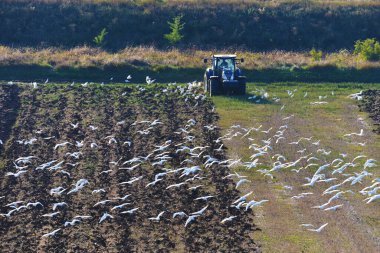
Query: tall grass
point(191, 58)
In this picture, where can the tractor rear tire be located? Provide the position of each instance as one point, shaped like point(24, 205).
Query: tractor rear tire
point(206, 85)
point(214, 87)
point(242, 87)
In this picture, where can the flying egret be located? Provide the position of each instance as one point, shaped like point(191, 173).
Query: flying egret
point(149, 80)
point(254, 203)
point(123, 198)
point(369, 163)
point(74, 126)
point(104, 217)
point(103, 202)
point(200, 212)
point(158, 217)
point(318, 230)
point(17, 174)
point(333, 208)
point(241, 181)
point(131, 211)
point(120, 206)
point(34, 204)
point(175, 185)
point(190, 219)
point(154, 182)
point(357, 134)
point(205, 198)
point(62, 145)
point(306, 225)
point(50, 215)
point(179, 214)
point(51, 234)
point(243, 198)
point(98, 191)
point(195, 187)
point(228, 219)
point(93, 128)
point(60, 204)
point(72, 223)
point(370, 199)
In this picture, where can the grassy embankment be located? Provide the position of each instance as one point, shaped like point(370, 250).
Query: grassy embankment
point(93, 64)
point(351, 229)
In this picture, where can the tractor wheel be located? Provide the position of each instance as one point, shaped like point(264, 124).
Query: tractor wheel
point(242, 87)
point(214, 87)
point(206, 84)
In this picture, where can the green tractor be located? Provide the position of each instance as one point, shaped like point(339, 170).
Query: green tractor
point(224, 77)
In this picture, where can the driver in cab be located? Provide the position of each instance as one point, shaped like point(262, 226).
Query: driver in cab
point(223, 64)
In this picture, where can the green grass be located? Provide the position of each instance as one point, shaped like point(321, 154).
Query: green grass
point(280, 218)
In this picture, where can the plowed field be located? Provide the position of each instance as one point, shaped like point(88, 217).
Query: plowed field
point(83, 150)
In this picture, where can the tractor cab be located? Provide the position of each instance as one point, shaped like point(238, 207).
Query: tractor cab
point(225, 65)
point(224, 76)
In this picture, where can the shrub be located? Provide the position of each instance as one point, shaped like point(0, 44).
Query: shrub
point(341, 59)
point(368, 50)
point(176, 27)
point(316, 55)
point(100, 38)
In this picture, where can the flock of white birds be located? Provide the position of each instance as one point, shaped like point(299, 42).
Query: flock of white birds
point(312, 158)
point(323, 169)
point(193, 169)
point(128, 79)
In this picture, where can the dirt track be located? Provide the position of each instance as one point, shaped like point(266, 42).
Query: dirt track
point(118, 114)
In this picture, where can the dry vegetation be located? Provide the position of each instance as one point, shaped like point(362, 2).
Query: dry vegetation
point(95, 57)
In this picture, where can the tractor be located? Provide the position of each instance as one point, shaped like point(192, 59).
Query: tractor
point(224, 77)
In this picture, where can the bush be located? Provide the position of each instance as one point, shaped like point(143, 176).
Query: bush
point(316, 55)
point(176, 27)
point(368, 50)
point(100, 38)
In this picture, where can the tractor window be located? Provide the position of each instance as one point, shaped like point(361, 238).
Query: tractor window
point(225, 64)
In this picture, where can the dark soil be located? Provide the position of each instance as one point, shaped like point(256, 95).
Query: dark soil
point(9, 103)
point(46, 113)
point(371, 104)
